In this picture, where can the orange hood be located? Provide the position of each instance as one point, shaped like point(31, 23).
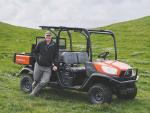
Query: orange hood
point(113, 64)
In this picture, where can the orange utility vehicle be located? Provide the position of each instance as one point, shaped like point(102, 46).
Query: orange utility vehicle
point(101, 78)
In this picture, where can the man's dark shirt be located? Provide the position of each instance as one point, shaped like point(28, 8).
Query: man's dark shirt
point(46, 54)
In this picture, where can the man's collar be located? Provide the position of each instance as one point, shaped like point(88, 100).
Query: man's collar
point(51, 43)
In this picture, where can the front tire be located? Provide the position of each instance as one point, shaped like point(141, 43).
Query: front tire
point(99, 94)
point(26, 83)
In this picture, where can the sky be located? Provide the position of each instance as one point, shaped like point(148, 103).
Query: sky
point(71, 13)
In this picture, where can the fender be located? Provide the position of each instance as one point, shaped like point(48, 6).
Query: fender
point(110, 78)
point(26, 69)
point(97, 74)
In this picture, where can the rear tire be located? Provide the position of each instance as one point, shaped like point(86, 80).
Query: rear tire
point(99, 94)
point(26, 83)
point(128, 95)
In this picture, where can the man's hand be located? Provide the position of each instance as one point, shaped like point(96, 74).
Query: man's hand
point(55, 68)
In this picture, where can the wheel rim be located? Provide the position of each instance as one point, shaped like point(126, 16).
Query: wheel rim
point(27, 84)
point(98, 95)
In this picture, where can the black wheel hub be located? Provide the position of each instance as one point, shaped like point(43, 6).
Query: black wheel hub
point(27, 84)
point(98, 95)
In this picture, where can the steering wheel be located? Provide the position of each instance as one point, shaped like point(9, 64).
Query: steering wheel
point(103, 55)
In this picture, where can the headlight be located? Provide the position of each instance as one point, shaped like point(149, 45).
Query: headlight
point(109, 70)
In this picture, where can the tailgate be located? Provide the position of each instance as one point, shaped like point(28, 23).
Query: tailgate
point(26, 59)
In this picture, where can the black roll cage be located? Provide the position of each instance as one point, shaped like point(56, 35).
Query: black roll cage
point(83, 31)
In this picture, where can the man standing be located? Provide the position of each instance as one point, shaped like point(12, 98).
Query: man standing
point(45, 53)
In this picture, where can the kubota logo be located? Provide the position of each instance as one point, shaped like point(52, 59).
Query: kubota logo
point(20, 60)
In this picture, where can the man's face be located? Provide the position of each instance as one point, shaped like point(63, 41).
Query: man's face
point(48, 37)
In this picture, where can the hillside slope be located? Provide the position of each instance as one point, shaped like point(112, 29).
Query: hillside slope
point(132, 36)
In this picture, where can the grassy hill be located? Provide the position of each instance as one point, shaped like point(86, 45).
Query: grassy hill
point(133, 45)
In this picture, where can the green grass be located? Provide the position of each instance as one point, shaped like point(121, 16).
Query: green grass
point(133, 45)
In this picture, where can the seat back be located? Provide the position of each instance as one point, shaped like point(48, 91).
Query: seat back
point(82, 57)
point(69, 57)
point(60, 53)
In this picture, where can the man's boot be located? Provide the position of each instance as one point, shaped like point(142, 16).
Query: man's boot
point(34, 84)
point(36, 90)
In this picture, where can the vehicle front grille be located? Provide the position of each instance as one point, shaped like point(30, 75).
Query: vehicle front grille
point(122, 74)
point(128, 74)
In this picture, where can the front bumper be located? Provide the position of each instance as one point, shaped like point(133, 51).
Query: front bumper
point(126, 82)
point(127, 77)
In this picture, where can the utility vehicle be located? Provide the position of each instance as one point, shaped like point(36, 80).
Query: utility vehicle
point(77, 70)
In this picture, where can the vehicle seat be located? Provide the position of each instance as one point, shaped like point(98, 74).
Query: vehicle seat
point(60, 53)
point(82, 57)
point(70, 58)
